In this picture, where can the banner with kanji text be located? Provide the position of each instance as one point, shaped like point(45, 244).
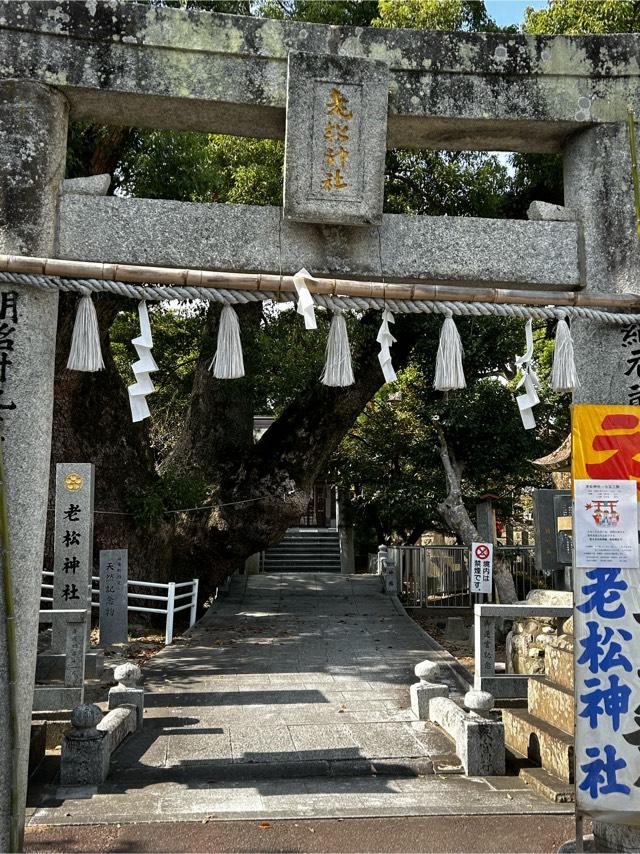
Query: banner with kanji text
point(606, 449)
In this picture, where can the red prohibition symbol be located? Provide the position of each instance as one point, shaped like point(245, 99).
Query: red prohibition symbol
point(482, 552)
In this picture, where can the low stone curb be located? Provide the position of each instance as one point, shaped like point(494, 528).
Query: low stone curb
point(460, 673)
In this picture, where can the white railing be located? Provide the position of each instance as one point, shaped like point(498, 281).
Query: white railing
point(176, 592)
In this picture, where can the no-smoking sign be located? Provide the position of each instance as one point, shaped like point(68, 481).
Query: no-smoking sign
point(481, 567)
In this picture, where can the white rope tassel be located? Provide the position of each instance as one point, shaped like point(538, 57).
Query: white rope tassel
point(305, 305)
point(228, 363)
point(529, 380)
point(385, 339)
point(85, 353)
point(564, 376)
point(449, 370)
point(337, 366)
point(141, 369)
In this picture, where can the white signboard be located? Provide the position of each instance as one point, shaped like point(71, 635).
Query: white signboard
point(607, 691)
point(606, 523)
point(481, 567)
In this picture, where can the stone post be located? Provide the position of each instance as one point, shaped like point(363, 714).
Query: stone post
point(33, 134)
point(345, 533)
point(83, 761)
point(72, 545)
point(486, 522)
point(598, 187)
point(429, 673)
point(127, 692)
point(114, 616)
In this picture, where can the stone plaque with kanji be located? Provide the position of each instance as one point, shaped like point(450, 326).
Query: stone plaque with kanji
point(73, 545)
point(335, 139)
point(114, 624)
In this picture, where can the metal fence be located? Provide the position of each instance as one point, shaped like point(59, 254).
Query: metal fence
point(171, 598)
point(438, 576)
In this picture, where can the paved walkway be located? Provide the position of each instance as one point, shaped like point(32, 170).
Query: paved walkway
point(290, 699)
point(530, 833)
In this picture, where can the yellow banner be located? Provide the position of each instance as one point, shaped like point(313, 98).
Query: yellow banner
point(605, 442)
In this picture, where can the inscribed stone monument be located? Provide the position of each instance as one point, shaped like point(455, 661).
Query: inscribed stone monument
point(73, 544)
point(114, 624)
point(33, 119)
point(75, 654)
point(335, 139)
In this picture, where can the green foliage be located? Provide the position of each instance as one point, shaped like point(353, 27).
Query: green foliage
point(391, 457)
point(439, 182)
point(150, 506)
point(582, 17)
point(176, 338)
point(290, 357)
point(198, 167)
point(537, 177)
point(229, 7)
point(341, 12)
point(447, 15)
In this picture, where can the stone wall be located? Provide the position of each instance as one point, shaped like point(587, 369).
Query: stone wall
point(529, 639)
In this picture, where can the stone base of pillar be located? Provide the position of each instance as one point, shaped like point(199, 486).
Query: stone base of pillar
point(616, 837)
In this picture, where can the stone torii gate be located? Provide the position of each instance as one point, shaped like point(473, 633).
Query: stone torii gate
point(165, 68)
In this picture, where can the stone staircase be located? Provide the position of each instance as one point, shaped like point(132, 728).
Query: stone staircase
point(539, 739)
point(305, 550)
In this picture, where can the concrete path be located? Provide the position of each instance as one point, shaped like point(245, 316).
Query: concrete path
point(290, 699)
point(407, 834)
point(298, 675)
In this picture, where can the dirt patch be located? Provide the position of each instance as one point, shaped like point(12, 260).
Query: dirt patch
point(144, 642)
point(460, 649)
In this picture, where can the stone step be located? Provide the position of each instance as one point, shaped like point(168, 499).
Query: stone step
point(302, 558)
point(558, 662)
point(276, 568)
point(540, 742)
point(547, 785)
point(324, 551)
point(551, 702)
point(290, 565)
point(302, 546)
point(223, 770)
point(284, 548)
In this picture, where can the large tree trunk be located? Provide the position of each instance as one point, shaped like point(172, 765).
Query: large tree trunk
point(259, 490)
point(457, 518)
point(92, 423)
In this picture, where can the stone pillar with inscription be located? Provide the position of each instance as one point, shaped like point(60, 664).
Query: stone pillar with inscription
point(114, 623)
point(599, 188)
point(72, 545)
point(33, 133)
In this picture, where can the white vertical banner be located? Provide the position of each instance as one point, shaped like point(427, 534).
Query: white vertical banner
point(607, 650)
point(481, 568)
point(607, 690)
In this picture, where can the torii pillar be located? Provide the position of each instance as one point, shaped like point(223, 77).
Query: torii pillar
point(599, 188)
point(33, 137)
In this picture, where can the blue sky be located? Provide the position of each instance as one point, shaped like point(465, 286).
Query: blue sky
point(505, 12)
